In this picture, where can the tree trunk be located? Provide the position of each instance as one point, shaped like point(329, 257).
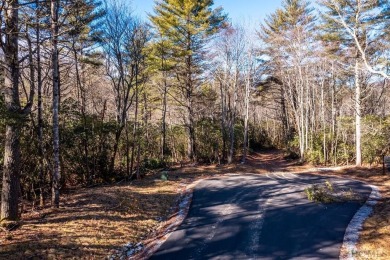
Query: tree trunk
point(56, 100)
point(358, 115)
point(323, 122)
point(334, 133)
point(40, 112)
point(191, 149)
point(11, 171)
point(247, 95)
point(118, 134)
point(164, 116)
point(284, 119)
point(191, 133)
point(127, 151)
point(11, 167)
point(233, 118)
point(231, 149)
point(223, 120)
point(146, 136)
point(135, 128)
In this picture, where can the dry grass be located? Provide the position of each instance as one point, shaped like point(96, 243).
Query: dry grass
point(93, 222)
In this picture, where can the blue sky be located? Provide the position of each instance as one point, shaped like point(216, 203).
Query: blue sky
point(247, 11)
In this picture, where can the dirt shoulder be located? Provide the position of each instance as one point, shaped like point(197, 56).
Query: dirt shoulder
point(91, 223)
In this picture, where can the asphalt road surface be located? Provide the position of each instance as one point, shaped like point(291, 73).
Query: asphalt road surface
point(262, 217)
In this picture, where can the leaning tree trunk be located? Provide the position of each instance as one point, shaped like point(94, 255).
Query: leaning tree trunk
point(11, 168)
point(56, 100)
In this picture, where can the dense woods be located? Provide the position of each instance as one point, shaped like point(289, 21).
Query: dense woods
point(93, 94)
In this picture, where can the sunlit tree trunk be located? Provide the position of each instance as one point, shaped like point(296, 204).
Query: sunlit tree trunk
point(233, 117)
point(323, 121)
point(358, 114)
point(56, 175)
point(246, 118)
point(40, 109)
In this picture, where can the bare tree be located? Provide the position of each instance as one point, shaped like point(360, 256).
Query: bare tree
point(123, 39)
point(250, 79)
point(288, 34)
point(349, 19)
point(230, 50)
point(363, 8)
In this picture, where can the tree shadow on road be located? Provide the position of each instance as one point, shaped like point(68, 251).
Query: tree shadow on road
point(257, 218)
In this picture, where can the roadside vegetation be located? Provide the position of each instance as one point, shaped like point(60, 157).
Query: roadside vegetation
point(327, 193)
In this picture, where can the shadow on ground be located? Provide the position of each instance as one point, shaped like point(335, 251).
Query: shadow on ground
point(244, 217)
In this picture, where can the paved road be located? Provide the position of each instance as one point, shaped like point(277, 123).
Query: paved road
point(261, 217)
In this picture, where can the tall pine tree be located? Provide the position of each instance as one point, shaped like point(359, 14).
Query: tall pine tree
point(188, 25)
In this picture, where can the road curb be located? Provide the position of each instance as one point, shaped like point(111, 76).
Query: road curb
point(146, 248)
point(351, 237)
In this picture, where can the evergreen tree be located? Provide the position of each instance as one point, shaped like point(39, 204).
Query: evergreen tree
point(160, 62)
point(188, 25)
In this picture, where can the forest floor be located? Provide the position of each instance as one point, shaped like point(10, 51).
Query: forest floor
point(93, 222)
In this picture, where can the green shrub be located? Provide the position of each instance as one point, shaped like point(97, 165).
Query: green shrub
point(153, 163)
point(320, 193)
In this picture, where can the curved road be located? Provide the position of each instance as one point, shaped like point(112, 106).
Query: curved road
point(261, 217)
